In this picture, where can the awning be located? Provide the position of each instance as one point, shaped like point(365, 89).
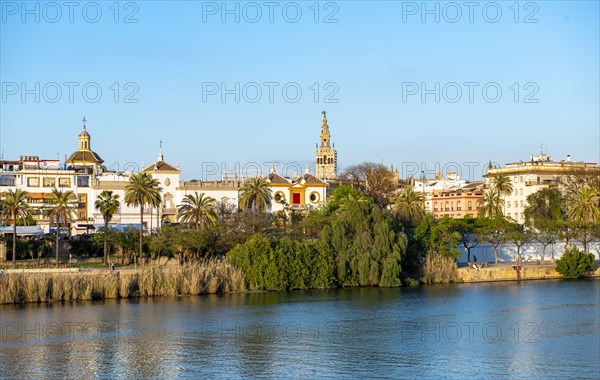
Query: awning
point(120, 227)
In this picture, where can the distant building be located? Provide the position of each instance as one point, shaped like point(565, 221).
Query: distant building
point(458, 202)
point(450, 196)
point(84, 174)
point(528, 177)
point(326, 155)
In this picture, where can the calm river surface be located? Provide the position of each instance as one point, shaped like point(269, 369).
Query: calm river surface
point(545, 329)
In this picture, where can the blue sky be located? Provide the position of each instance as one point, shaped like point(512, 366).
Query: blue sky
point(371, 67)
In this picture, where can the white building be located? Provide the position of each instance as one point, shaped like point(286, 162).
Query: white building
point(528, 177)
point(84, 174)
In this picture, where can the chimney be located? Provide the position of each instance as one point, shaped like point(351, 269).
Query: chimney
point(568, 158)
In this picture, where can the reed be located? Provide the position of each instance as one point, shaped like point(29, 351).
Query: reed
point(207, 277)
point(438, 269)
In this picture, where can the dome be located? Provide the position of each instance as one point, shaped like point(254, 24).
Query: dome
point(84, 133)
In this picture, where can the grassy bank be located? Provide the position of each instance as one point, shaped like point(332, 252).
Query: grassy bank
point(208, 277)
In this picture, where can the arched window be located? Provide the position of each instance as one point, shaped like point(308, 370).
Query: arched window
point(458, 206)
point(447, 204)
point(452, 206)
point(469, 206)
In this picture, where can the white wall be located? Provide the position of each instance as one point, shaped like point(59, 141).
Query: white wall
point(530, 252)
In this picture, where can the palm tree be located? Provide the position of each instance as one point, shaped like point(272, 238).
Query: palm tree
point(490, 206)
point(142, 190)
point(255, 194)
point(108, 205)
point(503, 186)
point(584, 206)
point(61, 210)
point(15, 206)
point(410, 204)
point(198, 210)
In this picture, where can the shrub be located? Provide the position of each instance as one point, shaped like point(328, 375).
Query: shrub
point(574, 263)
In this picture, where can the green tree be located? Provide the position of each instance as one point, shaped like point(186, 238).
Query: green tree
point(574, 263)
point(14, 206)
point(439, 236)
point(61, 210)
point(108, 204)
point(467, 228)
point(543, 206)
point(490, 206)
point(585, 233)
point(502, 185)
point(142, 190)
point(585, 206)
point(493, 231)
point(546, 235)
point(519, 236)
point(255, 195)
point(410, 205)
point(198, 210)
point(341, 195)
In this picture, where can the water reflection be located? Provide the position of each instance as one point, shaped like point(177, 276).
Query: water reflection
point(534, 330)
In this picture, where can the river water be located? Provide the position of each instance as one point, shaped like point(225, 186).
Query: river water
point(543, 329)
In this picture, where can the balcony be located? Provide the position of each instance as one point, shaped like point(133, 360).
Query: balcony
point(546, 182)
point(298, 207)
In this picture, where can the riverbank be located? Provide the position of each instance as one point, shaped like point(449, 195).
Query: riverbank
point(46, 285)
point(506, 272)
point(210, 277)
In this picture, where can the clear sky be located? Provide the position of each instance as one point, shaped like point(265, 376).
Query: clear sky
point(376, 65)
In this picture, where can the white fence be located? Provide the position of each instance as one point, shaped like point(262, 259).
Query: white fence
point(529, 252)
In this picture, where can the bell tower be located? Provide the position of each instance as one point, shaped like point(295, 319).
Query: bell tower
point(326, 155)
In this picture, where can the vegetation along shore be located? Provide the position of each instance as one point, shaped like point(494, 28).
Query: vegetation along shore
point(365, 235)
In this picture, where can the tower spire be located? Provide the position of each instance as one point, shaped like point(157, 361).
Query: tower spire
point(160, 157)
point(326, 156)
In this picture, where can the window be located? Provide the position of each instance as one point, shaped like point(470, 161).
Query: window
point(33, 182)
point(82, 198)
point(520, 191)
point(458, 206)
point(452, 206)
point(49, 182)
point(279, 197)
point(314, 197)
point(84, 181)
point(469, 206)
point(521, 203)
point(434, 206)
point(521, 179)
point(82, 215)
point(64, 182)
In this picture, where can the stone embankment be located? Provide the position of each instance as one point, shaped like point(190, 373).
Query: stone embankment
point(509, 272)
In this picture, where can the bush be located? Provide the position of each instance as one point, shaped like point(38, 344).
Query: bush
point(282, 263)
point(574, 263)
point(360, 246)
